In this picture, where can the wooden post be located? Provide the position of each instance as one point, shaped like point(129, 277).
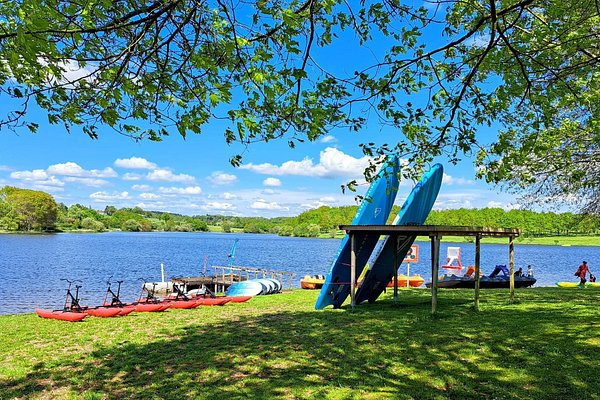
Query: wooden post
point(435, 260)
point(477, 268)
point(352, 270)
point(396, 266)
point(511, 261)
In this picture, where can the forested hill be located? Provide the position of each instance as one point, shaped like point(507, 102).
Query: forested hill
point(531, 223)
point(29, 210)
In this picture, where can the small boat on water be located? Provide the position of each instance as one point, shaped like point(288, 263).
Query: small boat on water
point(492, 281)
point(405, 281)
point(70, 316)
point(312, 282)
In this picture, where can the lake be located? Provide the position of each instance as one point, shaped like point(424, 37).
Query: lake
point(32, 266)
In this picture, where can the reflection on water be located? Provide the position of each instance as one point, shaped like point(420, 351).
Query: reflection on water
point(31, 266)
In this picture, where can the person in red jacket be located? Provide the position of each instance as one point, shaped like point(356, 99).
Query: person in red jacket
point(582, 272)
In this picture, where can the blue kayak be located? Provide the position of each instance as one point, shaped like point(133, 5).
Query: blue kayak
point(245, 288)
point(373, 210)
point(415, 210)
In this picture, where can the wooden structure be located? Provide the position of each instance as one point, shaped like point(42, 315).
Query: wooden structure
point(227, 276)
point(435, 233)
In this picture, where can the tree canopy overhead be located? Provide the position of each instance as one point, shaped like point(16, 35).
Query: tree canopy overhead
point(515, 83)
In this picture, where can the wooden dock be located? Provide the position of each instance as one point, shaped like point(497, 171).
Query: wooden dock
point(227, 276)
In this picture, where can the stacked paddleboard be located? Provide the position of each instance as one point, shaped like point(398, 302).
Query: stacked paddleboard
point(254, 287)
point(374, 210)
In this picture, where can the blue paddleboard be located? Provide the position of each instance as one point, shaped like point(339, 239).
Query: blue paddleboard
point(414, 212)
point(277, 283)
point(374, 210)
point(245, 288)
point(269, 285)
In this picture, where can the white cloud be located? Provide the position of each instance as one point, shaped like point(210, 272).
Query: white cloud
point(221, 178)
point(264, 205)
point(149, 196)
point(141, 188)
point(166, 175)
point(450, 180)
point(72, 71)
point(155, 205)
point(131, 177)
point(505, 206)
point(185, 190)
point(328, 139)
point(228, 196)
point(73, 169)
point(219, 206)
point(333, 163)
point(328, 199)
point(47, 188)
point(92, 182)
point(134, 163)
point(273, 182)
point(35, 175)
point(104, 196)
point(5, 168)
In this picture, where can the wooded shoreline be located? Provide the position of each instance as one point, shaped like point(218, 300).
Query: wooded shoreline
point(23, 210)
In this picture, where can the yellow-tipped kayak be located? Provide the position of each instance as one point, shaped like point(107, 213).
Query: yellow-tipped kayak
point(571, 285)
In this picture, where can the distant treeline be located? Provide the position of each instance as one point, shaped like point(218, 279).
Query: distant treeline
point(29, 210)
point(531, 223)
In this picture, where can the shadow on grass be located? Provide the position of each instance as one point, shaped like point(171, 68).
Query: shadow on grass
point(376, 351)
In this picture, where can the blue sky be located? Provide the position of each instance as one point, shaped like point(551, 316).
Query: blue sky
point(193, 176)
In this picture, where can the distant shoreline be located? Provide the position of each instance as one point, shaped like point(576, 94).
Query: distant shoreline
point(565, 241)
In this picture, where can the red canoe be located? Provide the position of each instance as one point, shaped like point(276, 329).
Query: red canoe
point(212, 301)
point(104, 312)
point(61, 315)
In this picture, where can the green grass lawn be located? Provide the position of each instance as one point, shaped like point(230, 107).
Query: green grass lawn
point(545, 345)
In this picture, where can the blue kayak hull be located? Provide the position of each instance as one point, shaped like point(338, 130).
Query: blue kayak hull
point(374, 210)
point(415, 210)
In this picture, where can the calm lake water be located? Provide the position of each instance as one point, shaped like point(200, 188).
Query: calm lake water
point(31, 266)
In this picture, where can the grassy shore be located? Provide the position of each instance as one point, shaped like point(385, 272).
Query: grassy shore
point(545, 345)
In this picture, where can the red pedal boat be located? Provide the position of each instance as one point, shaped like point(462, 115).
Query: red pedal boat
point(212, 301)
point(185, 304)
point(151, 307)
point(237, 299)
point(104, 312)
point(61, 315)
point(126, 310)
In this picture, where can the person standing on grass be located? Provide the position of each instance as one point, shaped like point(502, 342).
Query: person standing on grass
point(582, 271)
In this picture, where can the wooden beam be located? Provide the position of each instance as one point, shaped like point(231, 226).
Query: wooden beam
point(352, 270)
point(435, 261)
point(511, 261)
point(396, 266)
point(430, 230)
point(477, 269)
